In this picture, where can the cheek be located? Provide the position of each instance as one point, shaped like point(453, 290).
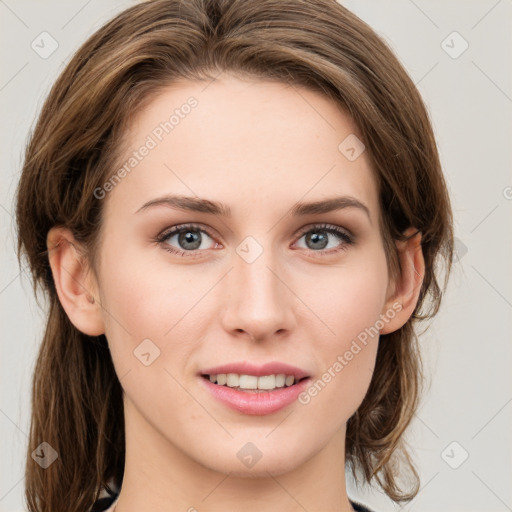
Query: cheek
point(351, 306)
point(351, 297)
point(147, 306)
point(136, 305)
point(146, 298)
point(143, 311)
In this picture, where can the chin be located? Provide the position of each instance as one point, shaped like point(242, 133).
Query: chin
point(257, 459)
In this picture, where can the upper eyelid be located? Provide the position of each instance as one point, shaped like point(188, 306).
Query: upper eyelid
point(326, 226)
point(167, 232)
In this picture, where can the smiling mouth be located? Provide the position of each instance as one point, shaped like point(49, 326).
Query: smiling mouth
point(253, 383)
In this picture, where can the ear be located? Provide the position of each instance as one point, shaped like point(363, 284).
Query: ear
point(75, 283)
point(403, 294)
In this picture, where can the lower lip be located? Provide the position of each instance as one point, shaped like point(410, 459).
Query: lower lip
point(256, 403)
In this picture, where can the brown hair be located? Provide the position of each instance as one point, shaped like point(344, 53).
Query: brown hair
point(76, 396)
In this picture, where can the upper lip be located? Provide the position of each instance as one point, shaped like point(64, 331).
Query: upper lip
point(246, 368)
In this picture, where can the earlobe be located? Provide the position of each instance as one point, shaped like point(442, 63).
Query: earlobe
point(75, 283)
point(405, 292)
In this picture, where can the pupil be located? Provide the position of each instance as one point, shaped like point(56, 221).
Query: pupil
point(189, 237)
point(315, 238)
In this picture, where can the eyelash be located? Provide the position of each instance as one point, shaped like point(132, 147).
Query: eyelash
point(329, 228)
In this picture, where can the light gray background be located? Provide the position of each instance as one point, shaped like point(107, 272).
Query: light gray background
point(468, 346)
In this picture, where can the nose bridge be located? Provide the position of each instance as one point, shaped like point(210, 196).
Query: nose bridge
point(259, 303)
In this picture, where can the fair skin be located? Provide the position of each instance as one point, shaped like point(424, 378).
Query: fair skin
point(258, 148)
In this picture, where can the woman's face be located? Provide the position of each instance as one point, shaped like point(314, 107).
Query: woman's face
point(260, 277)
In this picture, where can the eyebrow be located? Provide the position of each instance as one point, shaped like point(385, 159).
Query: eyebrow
point(196, 204)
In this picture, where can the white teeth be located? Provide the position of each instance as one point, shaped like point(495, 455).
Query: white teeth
point(248, 382)
point(266, 382)
point(280, 380)
point(232, 380)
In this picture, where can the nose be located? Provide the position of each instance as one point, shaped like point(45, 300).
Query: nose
point(259, 303)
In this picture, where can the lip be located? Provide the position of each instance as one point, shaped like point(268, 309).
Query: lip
point(246, 368)
point(256, 403)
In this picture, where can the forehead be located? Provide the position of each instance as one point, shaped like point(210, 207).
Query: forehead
point(248, 143)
